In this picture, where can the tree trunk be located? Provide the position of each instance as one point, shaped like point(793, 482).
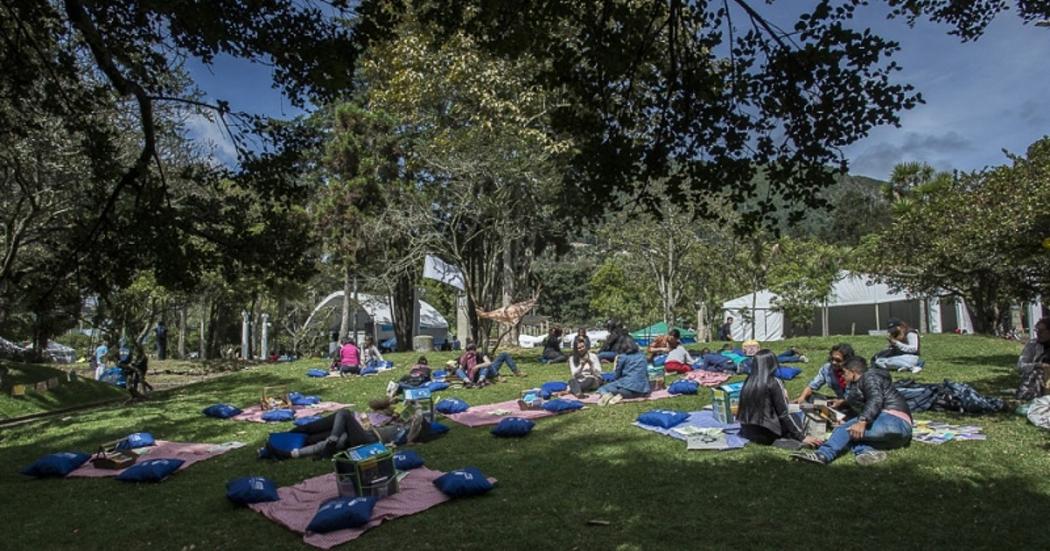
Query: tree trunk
point(403, 308)
point(508, 280)
point(344, 320)
point(182, 332)
point(202, 340)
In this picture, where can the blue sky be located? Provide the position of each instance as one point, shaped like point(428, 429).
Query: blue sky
point(981, 97)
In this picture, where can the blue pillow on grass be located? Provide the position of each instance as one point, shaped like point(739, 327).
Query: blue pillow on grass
point(319, 373)
point(407, 459)
point(437, 386)
point(306, 420)
point(281, 444)
point(787, 373)
point(278, 415)
point(56, 464)
point(150, 470)
point(559, 405)
point(660, 360)
point(298, 399)
point(438, 428)
point(684, 386)
point(439, 374)
point(342, 513)
point(449, 406)
point(251, 489)
point(468, 481)
point(136, 440)
point(550, 387)
point(662, 418)
point(221, 411)
point(513, 427)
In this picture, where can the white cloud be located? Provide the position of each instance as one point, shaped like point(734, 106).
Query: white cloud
point(213, 137)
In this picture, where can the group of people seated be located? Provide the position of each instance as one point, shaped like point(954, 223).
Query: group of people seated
point(350, 359)
point(877, 416)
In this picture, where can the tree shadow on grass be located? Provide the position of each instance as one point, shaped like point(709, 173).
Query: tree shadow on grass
point(1004, 360)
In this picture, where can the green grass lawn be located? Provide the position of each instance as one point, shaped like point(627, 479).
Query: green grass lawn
point(573, 468)
point(68, 394)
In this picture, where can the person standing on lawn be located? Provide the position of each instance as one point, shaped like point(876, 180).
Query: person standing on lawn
point(883, 419)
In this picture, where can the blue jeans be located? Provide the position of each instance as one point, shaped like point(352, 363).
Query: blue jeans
point(607, 355)
point(886, 432)
point(503, 358)
point(789, 357)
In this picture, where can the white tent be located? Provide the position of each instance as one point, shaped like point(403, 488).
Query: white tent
point(856, 304)
point(374, 316)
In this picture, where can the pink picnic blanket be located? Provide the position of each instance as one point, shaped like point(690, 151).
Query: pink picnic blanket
point(188, 452)
point(481, 416)
point(708, 378)
point(299, 504)
point(255, 413)
point(656, 395)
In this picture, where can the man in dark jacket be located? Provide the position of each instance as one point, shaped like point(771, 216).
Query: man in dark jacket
point(883, 420)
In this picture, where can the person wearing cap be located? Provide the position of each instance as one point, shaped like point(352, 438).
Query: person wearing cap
point(902, 354)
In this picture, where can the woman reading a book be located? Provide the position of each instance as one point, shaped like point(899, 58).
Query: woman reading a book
point(883, 419)
point(830, 375)
point(763, 415)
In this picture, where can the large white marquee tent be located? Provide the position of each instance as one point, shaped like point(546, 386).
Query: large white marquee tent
point(856, 305)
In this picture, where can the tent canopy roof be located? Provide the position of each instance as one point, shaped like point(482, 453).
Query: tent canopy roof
point(849, 288)
point(378, 309)
point(658, 329)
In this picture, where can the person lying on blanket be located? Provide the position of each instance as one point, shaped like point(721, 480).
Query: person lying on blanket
point(477, 370)
point(764, 415)
point(678, 358)
point(830, 375)
point(632, 377)
point(1034, 363)
point(585, 369)
point(343, 429)
point(417, 376)
point(883, 421)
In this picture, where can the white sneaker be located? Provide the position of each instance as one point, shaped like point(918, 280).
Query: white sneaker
point(391, 389)
point(616, 399)
point(915, 369)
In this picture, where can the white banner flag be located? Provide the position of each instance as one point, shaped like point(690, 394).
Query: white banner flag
point(435, 268)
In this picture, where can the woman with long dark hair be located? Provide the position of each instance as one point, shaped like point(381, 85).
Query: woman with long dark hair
point(763, 414)
point(585, 369)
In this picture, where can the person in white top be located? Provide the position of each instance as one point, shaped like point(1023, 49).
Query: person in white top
point(902, 354)
point(585, 369)
point(678, 358)
point(370, 356)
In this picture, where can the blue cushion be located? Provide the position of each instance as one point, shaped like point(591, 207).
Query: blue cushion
point(407, 459)
point(341, 513)
point(513, 427)
point(251, 489)
point(468, 481)
point(439, 374)
point(150, 470)
point(301, 400)
point(56, 464)
point(319, 373)
point(221, 411)
point(276, 415)
point(683, 386)
point(305, 420)
point(436, 386)
point(438, 428)
point(452, 405)
point(559, 405)
point(608, 376)
point(136, 440)
point(386, 364)
point(787, 373)
point(662, 418)
point(660, 360)
point(281, 444)
point(550, 387)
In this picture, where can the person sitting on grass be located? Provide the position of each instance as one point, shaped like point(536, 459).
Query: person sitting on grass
point(1034, 363)
point(134, 367)
point(830, 375)
point(477, 369)
point(607, 352)
point(678, 358)
point(552, 347)
point(883, 419)
point(585, 369)
point(581, 333)
point(349, 358)
point(632, 377)
point(370, 355)
point(902, 354)
point(763, 415)
point(418, 375)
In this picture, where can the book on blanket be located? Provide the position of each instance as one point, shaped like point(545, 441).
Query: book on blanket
point(826, 413)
